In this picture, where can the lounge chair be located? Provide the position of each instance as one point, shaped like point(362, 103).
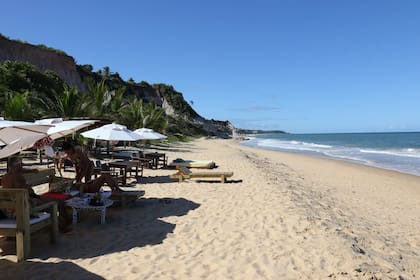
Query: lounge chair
point(184, 173)
point(24, 225)
point(124, 197)
point(193, 163)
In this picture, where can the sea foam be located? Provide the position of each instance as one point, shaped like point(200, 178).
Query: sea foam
point(404, 159)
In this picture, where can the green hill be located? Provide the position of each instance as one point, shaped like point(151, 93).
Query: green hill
point(35, 73)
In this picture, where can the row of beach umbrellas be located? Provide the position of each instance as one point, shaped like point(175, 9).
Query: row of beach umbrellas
point(16, 136)
point(118, 132)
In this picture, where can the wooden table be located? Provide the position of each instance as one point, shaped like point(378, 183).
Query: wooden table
point(156, 158)
point(126, 166)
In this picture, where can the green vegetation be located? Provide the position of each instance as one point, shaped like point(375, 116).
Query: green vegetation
point(137, 114)
point(179, 138)
point(66, 104)
point(24, 90)
point(16, 106)
point(57, 51)
point(176, 100)
point(139, 104)
point(181, 126)
point(27, 94)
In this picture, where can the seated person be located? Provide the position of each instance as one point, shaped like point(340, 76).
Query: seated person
point(96, 184)
point(14, 179)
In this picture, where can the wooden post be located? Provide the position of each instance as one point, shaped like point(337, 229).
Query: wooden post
point(23, 234)
point(54, 223)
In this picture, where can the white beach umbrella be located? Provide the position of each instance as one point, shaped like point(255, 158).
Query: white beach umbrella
point(16, 136)
point(13, 130)
point(62, 128)
point(149, 134)
point(112, 132)
point(20, 145)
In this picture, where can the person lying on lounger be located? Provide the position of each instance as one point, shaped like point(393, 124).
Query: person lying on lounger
point(95, 185)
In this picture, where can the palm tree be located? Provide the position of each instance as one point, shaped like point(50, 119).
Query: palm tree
point(153, 117)
point(69, 103)
point(97, 98)
point(117, 102)
point(17, 107)
point(131, 113)
point(137, 114)
point(3, 92)
point(102, 102)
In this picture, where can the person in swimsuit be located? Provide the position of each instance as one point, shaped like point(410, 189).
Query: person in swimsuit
point(96, 184)
point(83, 165)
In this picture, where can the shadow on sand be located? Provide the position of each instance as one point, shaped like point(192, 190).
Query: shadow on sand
point(137, 225)
point(218, 181)
point(156, 180)
point(175, 147)
point(62, 270)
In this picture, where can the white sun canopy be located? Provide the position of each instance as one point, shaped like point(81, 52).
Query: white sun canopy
point(62, 127)
point(16, 136)
point(149, 134)
point(112, 132)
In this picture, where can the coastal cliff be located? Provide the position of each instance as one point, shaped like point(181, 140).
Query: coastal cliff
point(43, 59)
point(182, 117)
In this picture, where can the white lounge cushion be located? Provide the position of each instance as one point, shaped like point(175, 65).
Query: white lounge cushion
point(11, 223)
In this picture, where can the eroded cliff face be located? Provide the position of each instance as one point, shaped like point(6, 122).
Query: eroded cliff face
point(43, 60)
point(149, 94)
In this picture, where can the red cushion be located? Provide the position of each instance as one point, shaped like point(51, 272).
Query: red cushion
point(56, 196)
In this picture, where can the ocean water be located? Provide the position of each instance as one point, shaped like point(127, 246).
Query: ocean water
point(394, 151)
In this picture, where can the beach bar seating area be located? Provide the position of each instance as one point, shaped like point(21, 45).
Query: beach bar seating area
point(57, 190)
point(156, 159)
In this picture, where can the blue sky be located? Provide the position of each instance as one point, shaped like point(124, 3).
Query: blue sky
point(300, 66)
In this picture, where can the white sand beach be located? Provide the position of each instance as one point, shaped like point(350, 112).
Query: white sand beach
point(282, 216)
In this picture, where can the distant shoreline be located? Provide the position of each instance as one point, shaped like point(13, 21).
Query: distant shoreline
point(399, 152)
point(257, 131)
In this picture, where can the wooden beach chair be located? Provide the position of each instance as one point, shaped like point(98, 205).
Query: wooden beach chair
point(40, 177)
point(184, 173)
point(206, 164)
point(24, 224)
